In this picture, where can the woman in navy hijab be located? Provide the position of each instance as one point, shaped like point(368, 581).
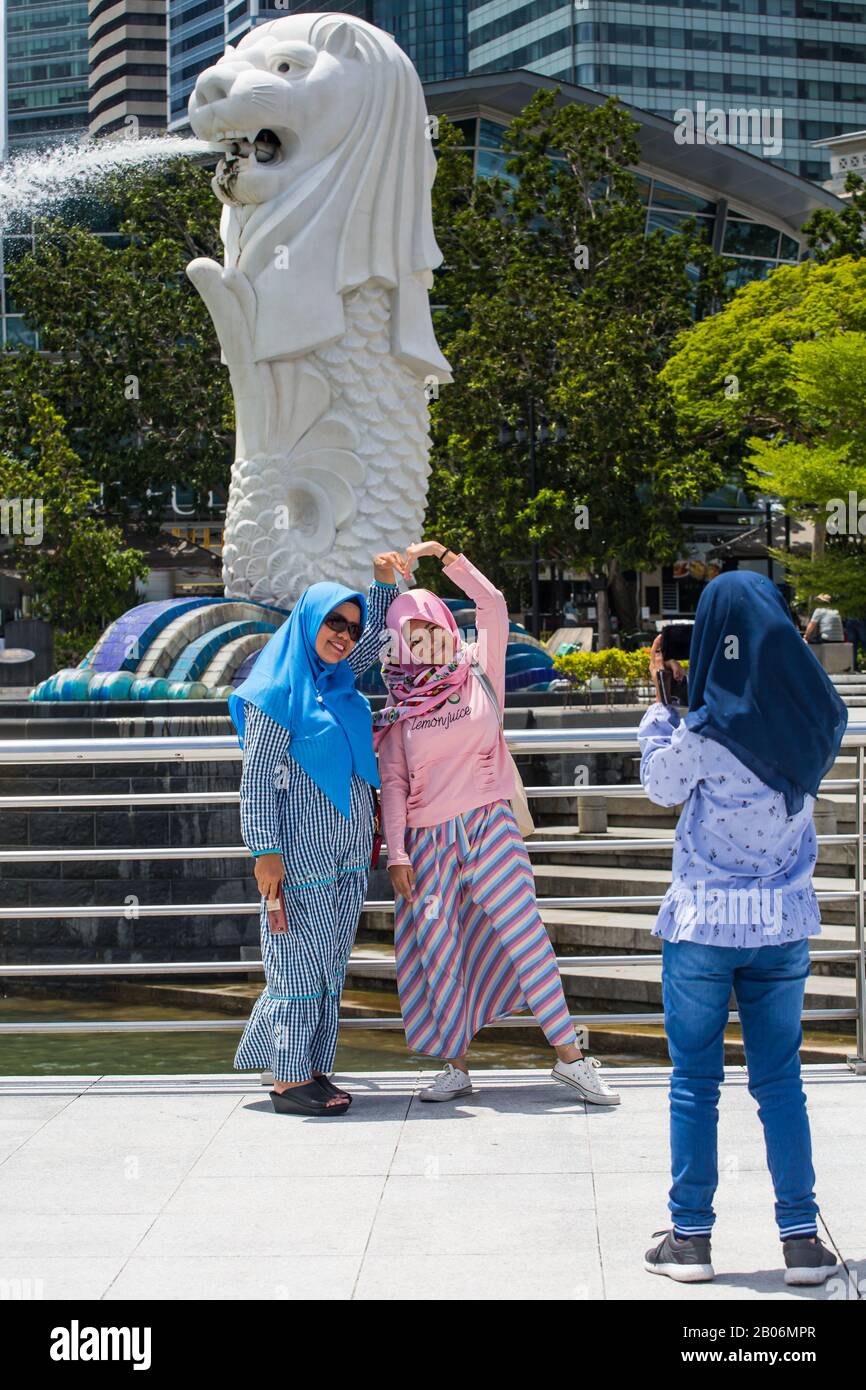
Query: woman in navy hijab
point(764, 727)
point(307, 818)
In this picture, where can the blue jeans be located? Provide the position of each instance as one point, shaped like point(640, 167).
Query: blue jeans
point(769, 983)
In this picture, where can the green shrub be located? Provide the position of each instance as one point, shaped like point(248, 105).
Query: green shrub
point(612, 666)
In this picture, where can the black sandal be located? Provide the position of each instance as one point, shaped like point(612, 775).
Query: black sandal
point(308, 1099)
point(327, 1085)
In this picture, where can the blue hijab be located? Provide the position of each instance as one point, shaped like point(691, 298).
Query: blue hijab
point(773, 706)
point(329, 720)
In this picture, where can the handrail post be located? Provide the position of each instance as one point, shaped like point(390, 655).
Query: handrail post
point(857, 1063)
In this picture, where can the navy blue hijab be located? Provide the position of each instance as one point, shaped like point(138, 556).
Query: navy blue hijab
point(329, 720)
point(772, 705)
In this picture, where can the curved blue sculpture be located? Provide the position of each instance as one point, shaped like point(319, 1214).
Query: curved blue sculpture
point(170, 649)
point(201, 648)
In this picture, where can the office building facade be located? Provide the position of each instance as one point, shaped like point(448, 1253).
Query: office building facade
point(128, 69)
point(799, 61)
point(783, 73)
point(43, 72)
point(198, 31)
point(433, 32)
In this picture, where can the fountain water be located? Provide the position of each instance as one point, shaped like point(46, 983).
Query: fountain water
point(43, 180)
point(158, 650)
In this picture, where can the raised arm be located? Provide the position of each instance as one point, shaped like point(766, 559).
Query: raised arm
point(380, 595)
point(491, 610)
point(379, 598)
point(670, 764)
point(491, 619)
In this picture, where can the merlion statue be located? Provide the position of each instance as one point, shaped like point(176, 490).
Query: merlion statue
point(322, 308)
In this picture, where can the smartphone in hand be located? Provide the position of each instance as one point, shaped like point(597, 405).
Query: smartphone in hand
point(671, 690)
point(677, 641)
point(676, 645)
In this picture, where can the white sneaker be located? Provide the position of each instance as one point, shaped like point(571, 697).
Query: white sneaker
point(448, 1085)
point(583, 1076)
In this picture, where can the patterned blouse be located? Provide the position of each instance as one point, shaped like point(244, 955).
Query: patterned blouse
point(742, 867)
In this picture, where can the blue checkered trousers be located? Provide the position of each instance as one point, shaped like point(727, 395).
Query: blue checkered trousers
point(292, 1030)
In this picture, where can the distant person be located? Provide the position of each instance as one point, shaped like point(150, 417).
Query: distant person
point(764, 727)
point(569, 613)
point(855, 633)
point(825, 624)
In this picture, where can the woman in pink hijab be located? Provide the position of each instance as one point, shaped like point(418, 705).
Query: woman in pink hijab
point(469, 943)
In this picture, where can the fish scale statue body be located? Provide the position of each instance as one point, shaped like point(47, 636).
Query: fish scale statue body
point(321, 306)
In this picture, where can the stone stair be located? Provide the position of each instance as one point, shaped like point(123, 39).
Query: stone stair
point(852, 687)
point(599, 872)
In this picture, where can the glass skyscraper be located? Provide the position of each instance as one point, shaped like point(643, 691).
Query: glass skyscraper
point(801, 58)
point(432, 32)
point(43, 87)
point(198, 31)
point(799, 64)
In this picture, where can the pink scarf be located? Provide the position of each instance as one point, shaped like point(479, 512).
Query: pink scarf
point(414, 688)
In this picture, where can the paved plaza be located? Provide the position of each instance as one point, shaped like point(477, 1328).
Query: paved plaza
point(192, 1187)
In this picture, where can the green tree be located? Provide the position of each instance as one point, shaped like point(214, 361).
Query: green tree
point(80, 572)
point(777, 379)
point(551, 295)
point(130, 358)
point(831, 234)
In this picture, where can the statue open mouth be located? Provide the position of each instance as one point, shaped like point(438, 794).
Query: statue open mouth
point(264, 144)
point(241, 148)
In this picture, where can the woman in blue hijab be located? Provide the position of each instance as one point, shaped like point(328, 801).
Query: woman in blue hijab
point(773, 705)
point(307, 817)
point(764, 727)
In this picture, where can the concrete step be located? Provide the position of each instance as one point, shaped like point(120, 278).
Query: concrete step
point(608, 931)
point(564, 880)
point(641, 985)
point(624, 988)
point(602, 931)
point(832, 859)
point(641, 815)
point(846, 764)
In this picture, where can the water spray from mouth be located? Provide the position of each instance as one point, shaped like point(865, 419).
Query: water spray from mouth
point(46, 178)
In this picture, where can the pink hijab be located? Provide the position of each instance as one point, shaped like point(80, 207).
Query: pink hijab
point(414, 688)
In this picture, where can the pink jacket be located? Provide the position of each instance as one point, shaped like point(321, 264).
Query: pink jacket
point(436, 766)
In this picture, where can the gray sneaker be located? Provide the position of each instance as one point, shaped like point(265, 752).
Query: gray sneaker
point(806, 1263)
point(687, 1261)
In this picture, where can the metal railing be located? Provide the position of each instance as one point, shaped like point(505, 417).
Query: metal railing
point(219, 748)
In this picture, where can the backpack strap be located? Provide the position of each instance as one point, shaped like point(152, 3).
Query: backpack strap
point(485, 681)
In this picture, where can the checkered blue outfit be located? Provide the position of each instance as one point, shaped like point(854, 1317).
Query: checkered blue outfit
point(292, 1030)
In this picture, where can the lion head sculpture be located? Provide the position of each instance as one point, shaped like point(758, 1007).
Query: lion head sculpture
point(325, 181)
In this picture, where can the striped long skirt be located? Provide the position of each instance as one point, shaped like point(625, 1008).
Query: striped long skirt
point(470, 945)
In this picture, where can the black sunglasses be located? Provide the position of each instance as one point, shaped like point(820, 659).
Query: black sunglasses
point(337, 623)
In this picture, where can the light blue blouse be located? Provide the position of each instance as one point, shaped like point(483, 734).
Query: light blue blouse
point(742, 868)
